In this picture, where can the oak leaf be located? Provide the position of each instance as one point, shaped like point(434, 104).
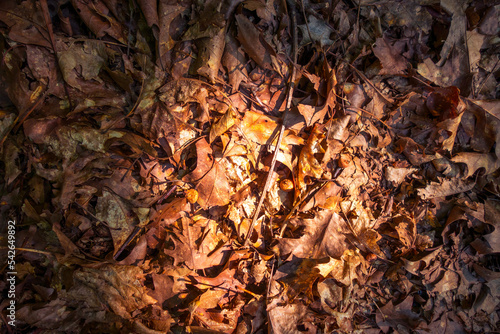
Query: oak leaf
point(209, 176)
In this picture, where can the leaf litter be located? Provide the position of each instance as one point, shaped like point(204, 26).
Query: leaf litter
point(137, 141)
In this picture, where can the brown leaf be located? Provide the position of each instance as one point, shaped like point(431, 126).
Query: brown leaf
point(222, 125)
point(138, 144)
point(445, 187)
point(260, 129)
point(397, 175)
point(210, 55)
point(308, 164)
point(38, 130)
point(234, 61)
point(249, 38)
point(323, 236)
point(487, 130)
point(315, 113)
point(69, 247)
point(414, 152)
point(198, 245)
point(117, 287)
point(289, 318)
point(326, 198)
point(99, 20)
point(150, 10)
point(400, 315)
point(85, 61)
point(443, 102)
point(210, 178)
point(118, 215)
point(166, 16)
point(454, 72)
point(390, 55)
point(298, 276)
point(475, 161)
point(492, 212)
point(25, 28)
point(316, 31)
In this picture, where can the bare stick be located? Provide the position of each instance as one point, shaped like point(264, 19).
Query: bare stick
point(291, 87)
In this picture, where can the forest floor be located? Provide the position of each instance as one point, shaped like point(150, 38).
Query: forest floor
point(256, 166)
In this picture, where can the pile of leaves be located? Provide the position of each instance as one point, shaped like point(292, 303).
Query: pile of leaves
point(137, 139)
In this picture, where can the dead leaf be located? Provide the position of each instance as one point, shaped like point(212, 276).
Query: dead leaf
point(117, 287)
point(210, 54)
point(401, 315)
point(445, 187)
point(308, 164)
point(118, 215)
point(209, 176)
point(234, 61)
point(222, 125)
point(99, 20)
point(316, 31)
point(475, 161)
point(261, 128)
point(249, 38)
point(390, 55)
point(85, 61)
point(323, 236)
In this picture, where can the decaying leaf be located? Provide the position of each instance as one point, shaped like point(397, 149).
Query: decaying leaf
point(222, 125)
point(445, 188)
point(132, 165)
point(209, 176)
point(393, 62)
point(121, 286)
point(262, 129)
point(249, 38)
point(324, 235)
point(316, 31)
point(308, 164)
point(210, 55)
point(234, 61)
point(116, 213)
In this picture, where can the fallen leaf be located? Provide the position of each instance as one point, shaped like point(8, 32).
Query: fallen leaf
point(400, 315)
point(390, 55)
point(397, 175)
point(445, 187)
point(249, 38)
point(316, 31)
point(324, 235)
point(209, 176)
point(99, 20)
point(262, 128)
point(222, 125)
point(118, 215)
point(210, 54)
point(85, 60)
point(308, 164)
point(117, 287)
point(234, 61)
point(475, 161)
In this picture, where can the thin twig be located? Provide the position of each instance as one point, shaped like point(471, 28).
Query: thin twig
point(20, 119)
point(285, 113)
